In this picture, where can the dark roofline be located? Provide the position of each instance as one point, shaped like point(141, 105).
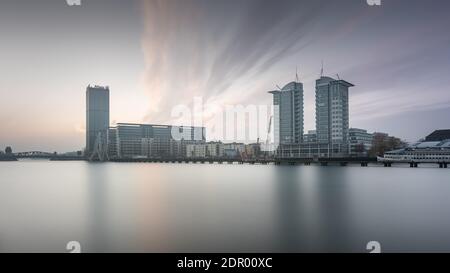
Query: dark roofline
point(345, 83)
point(155, 125)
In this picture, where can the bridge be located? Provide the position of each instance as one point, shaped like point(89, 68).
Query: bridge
point(34, 154)
point(46, 155)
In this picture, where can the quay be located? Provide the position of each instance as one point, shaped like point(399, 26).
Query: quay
point(341, 161)
point(362, 161)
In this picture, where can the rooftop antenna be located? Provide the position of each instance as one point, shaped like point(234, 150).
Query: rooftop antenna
point(321, 70)
point(296, 74)
point(338, 77)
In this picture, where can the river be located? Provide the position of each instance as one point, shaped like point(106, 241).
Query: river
point(152, 207)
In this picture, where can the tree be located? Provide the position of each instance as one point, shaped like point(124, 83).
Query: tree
point(383, 143)
point(8, 150)
point(360, 149)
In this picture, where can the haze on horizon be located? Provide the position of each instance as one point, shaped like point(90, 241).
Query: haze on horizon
point(156, 54)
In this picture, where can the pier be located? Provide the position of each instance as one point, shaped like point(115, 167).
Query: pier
point(346, 161)
point(341, 161)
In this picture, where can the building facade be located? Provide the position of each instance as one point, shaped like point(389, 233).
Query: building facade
point(332, 114)
point(310, 137)
point(288, 113)
point(233, 150)
point(196, 150)
point(305, 150)
point(153, 141)
point(214, 149)
point(360, 142)
point(97, 116)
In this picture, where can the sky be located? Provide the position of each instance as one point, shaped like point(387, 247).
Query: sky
point(157, 54)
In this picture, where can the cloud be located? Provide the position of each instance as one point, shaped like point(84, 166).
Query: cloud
point(231, 52)
point(218, 50)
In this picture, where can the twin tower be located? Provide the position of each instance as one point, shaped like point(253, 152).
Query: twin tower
point(332, 112)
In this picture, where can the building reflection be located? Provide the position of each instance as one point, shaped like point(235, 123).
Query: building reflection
point(312, 213)
point(98, 228)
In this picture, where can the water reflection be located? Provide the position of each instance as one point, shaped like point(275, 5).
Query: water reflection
point(313, 211)
point(290, 211)
point(97, 209)
point(221, 208)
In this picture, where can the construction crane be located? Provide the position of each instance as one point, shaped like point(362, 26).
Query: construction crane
point(268, 131)
point(100, 152)
point(266, 148)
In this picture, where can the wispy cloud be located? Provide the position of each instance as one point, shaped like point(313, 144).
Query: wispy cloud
point(231, 52)
point(219, 50)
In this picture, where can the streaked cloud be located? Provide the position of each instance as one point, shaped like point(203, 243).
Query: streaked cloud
point(219, 50)
point(155, 54)
point(232, 52)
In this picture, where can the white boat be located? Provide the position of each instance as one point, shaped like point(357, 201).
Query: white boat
point(423, 152)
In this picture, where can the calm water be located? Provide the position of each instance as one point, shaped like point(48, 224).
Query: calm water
point(213, 208)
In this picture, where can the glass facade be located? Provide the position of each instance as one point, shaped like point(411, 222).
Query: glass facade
point(97, 115)
point(288, 116)
point(332, 113)
point(153, 141)
point(360, 142)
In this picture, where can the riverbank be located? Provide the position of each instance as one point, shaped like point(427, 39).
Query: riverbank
point(7, 158)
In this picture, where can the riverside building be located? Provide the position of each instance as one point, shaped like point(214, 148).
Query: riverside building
point(128, 140)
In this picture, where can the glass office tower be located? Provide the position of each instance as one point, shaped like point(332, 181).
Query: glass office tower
point(332, 114)
point(97, 116)
point(288, 113)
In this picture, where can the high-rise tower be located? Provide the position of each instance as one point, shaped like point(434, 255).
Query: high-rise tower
point(97, 117)
point(332, 113)
point(288, 114)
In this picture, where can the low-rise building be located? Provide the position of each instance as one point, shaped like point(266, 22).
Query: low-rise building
point(233, 150)
point(128, 140)
point(310, 137)
point(252, 151)
point(311, 150)
point(360, 142)
point(214, 149)
point(196, 150)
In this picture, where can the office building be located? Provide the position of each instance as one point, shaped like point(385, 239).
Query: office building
point(288, 113)
point(153, 141)
point(214, 149)
point(310, 137)
point(332, 114)
point(97, 117)
point(196, 150)
point(304, 150)
point(360, 142)
point(233, 150)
